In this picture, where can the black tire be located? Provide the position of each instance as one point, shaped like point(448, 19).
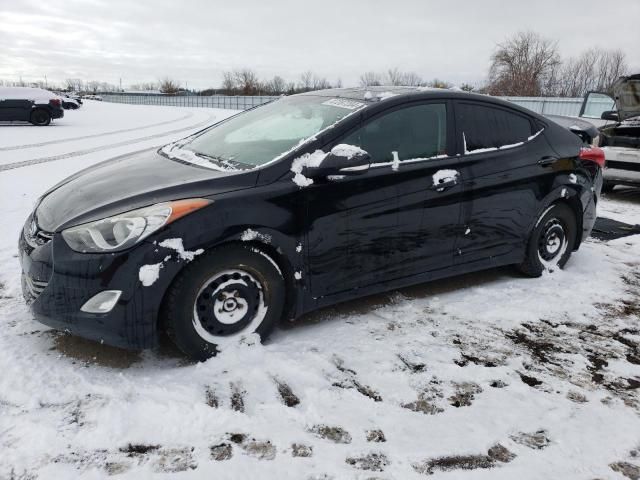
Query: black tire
point(40, 117)
point(607, 187)
point(199, 307)
point(551, 241)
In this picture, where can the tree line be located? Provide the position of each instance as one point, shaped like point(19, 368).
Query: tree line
point(525, 64)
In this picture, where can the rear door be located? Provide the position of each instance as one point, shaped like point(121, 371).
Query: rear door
point(507, 169)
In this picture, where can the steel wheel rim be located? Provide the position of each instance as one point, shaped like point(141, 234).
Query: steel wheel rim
point(229, 306)
point(552, 244)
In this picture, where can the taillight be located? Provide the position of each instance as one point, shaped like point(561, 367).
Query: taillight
point(592, 154)
point(56, 102)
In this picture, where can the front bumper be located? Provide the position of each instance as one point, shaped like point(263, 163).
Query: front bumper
point(57, 281)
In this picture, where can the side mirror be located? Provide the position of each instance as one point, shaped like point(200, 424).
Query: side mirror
point(609, 115)
point(341, 160)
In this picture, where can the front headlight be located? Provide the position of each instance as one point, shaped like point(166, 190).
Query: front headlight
point(125, 230)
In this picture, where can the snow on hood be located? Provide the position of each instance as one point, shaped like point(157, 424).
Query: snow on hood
point(627, 95)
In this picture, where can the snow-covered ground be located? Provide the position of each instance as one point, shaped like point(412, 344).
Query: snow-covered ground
point(489, 375)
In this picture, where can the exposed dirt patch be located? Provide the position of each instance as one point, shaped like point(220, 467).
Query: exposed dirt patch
point(289, 398)
point(627, 469)
point(221, 452)
point(350, 381)
point(576, 397)
point(237, 397)
point(334, 434)
point(423, 405)
point(211, 398)
point(531, 381)
point(536, 440)
point(465, 394)
point(495, 455)
point(375, 436)
point(414, 367)
point(237, 437)
point(139, 449)
point(372, 462)
point(262, 450)
point(537, 342)
point(174, 460)
point(467, 358)
point(500, 453)
point(301, 450)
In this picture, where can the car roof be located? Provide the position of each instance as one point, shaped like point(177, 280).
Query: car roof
point(392, 94)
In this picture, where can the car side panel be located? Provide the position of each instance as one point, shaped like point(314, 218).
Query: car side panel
point(15, 110)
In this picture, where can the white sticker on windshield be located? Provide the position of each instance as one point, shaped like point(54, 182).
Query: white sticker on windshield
point(343, 103)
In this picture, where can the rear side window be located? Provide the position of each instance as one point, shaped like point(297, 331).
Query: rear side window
point(414, 132)
point(487, 127)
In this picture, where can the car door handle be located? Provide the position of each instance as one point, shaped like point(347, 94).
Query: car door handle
point(546, 161)
point(442, 186)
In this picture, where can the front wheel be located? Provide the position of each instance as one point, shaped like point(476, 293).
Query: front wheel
point(551, 242)
point(225, 295)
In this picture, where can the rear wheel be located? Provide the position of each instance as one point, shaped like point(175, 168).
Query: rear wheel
point(225, 295)
point(40, 117)
point(551, 242)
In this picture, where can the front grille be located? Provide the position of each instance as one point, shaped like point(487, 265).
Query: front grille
point(33, 288)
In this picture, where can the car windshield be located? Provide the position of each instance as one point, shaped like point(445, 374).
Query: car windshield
point(261, 135)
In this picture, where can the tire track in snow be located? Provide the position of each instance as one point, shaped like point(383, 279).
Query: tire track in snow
point(95, 135)
point(78, 153)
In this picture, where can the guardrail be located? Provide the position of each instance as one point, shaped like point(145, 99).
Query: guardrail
point(545, 105)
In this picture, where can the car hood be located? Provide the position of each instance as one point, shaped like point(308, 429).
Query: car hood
point(626, 92)
point(129, 182)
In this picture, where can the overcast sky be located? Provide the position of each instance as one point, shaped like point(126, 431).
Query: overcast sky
point(193, 41)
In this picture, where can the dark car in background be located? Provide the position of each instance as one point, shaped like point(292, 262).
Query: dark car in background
point(301, 203)
point(25, 104)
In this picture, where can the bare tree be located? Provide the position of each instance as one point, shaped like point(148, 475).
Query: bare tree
point(246, 81)
point(168, 85)
point(594, 69)
point(370, 79)
point(411, 79)
point(306, 81)
point(275, 86)
point(228, 83)
point(393, 77)
point(522, 65)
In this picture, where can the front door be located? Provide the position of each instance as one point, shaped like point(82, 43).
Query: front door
point(390, 222)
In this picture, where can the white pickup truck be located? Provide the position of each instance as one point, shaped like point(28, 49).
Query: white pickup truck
point(618, 122)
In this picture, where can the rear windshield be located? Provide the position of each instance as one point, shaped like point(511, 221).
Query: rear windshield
point(263, 134)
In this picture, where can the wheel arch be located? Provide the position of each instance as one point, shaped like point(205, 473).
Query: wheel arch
point(562, 195)
point(271, 252)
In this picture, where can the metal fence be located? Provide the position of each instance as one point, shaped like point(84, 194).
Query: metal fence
point(544, 105)
point(215, 101)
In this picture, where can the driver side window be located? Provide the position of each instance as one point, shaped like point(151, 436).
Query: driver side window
point(416, 132)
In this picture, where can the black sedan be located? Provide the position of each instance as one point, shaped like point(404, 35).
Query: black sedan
point(25, 104)
point(301, 203)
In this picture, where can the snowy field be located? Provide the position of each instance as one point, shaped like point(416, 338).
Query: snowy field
point(489, 375)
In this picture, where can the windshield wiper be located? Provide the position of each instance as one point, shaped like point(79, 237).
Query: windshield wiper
point(222, 161)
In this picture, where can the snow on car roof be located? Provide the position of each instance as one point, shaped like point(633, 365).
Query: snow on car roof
point(26, 93)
